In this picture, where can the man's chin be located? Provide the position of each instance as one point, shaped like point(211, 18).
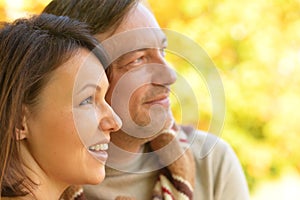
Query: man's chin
point(138, 140)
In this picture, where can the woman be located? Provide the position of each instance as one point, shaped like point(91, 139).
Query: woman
point(55, 123)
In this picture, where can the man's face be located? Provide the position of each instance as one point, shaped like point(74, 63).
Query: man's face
point(139, 76)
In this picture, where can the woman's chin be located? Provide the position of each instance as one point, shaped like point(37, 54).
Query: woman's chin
point(96, 176)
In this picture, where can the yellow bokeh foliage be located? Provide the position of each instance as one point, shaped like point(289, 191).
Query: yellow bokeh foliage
point(256, 47)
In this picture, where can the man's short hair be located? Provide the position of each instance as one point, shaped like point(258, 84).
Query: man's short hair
point(100, 15)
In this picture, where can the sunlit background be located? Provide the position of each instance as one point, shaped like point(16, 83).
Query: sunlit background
point(256, 46)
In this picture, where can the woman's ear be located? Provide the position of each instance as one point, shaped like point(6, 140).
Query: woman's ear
point(22, 129)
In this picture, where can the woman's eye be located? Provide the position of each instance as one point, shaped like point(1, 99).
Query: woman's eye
point(87, 101)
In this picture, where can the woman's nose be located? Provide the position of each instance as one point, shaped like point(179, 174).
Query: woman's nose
point(111, 121)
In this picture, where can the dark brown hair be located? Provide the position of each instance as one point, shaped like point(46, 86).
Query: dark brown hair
point(30, 50)
point(101, 15)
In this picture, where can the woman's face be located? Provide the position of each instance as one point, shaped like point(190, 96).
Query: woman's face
point(69, 130)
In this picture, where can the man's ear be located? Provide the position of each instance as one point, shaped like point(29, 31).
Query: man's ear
point(22, 128)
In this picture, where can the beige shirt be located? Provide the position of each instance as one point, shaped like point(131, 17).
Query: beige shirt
point(219, 175)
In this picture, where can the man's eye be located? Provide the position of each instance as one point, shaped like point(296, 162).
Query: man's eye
point(163, 52)
point(137, 61)
point(87, 101)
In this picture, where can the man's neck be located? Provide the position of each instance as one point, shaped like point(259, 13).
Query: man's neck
point(123, 149)
point(126, 142)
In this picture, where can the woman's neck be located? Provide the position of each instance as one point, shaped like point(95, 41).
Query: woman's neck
point(44, 187)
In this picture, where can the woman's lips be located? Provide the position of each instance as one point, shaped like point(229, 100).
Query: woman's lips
point(99, 151)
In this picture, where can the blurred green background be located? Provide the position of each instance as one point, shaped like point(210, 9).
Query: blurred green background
point(255, 45)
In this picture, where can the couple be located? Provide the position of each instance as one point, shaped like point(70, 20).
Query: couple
point(56, 123)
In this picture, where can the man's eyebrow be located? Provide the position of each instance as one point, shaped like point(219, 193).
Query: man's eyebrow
point(132, 52)
point(163, 43)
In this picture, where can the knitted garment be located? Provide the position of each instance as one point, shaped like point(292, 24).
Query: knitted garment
point(176, 181)
point(73, 192)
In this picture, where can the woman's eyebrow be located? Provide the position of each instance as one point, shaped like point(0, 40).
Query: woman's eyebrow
point(95, 86)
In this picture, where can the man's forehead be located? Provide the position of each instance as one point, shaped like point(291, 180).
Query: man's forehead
point(138, 17)
point(122, 43)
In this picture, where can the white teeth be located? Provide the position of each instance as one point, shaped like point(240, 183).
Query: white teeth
point(99, 147)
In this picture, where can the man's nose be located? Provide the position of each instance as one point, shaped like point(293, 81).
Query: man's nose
point(163, 73)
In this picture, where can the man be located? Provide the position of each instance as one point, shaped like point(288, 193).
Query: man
point(150, 157)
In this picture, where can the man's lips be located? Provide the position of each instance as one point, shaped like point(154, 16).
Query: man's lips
point(161, 100)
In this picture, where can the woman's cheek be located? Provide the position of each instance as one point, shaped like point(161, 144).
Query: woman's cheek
point(85, 124)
